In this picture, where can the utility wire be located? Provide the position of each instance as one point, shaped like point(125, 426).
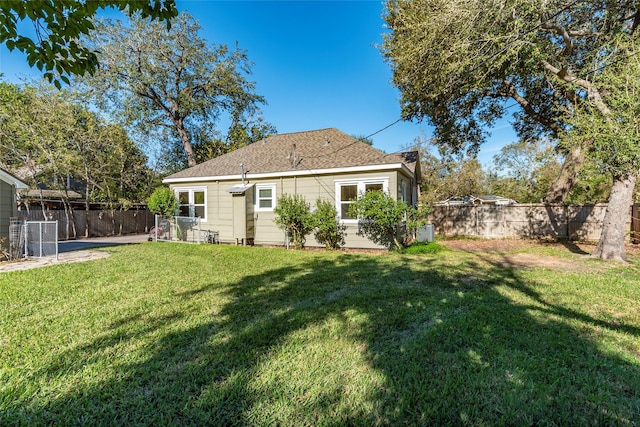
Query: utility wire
point(384, 128)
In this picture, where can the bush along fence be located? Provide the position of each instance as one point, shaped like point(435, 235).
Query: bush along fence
point(79, 224)
point(531, 221)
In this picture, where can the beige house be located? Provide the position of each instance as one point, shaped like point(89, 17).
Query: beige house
point(235, 194)
point(8, 206)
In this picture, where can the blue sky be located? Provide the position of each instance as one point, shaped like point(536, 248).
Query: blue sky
point(316, 62)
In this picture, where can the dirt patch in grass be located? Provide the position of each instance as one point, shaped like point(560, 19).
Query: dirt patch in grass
point(573, 256)
point(532, 260)
point(478, 245)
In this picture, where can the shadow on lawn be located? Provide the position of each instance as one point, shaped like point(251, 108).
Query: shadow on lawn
point(449, 347)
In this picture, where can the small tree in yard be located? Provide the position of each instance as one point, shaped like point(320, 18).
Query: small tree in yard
point(293, 215)
point(163, 202)
point(328, 230)
point(379, 217)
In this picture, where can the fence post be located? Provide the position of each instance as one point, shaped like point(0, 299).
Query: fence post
point(26, 230)
point(41, 239)
point(635, 223)
point(475, 207)
point(566, 218)
point(56, 234)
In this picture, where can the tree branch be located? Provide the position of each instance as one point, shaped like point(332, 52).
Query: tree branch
point(153, 97)
point(562, 32)
point(528, 108)
point(636, 21)
point(592, 92)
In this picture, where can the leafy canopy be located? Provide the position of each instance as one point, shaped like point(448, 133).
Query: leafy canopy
point(614, 132)
point(58, 25)
point(48, 135)
point(461, 63)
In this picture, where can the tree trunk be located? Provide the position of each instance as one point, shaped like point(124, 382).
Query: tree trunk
point(43, 207)
point(186, 143)
point(567, 177)
point(611, 243)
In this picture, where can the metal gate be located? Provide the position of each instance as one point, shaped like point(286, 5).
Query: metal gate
point(37, 239)
point(176, 229)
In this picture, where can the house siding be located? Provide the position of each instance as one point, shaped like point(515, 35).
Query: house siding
point(266, 232)
point(7, 210)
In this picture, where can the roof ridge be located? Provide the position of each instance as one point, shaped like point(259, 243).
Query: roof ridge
point(303, 131)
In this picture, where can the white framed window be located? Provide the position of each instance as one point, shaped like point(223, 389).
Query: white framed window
point(265, 197)
point(192, 202)
point(349, 190)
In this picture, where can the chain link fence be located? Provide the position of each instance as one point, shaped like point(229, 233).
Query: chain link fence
point(179, 229)
point(37, 239)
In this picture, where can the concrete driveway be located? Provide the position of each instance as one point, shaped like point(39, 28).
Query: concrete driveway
point(100, 242)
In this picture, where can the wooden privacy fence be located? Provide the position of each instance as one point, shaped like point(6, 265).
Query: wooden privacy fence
point(573, 222)
point(100, 223)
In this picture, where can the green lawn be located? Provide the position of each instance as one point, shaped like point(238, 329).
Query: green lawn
point(167, 334)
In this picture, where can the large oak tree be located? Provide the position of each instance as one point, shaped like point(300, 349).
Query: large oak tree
point(461, 63)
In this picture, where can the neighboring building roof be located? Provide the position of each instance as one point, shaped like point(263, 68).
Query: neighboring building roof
point(456, 200)
point(50, 194)
point(491, 199)
point(298, 153)
point(10, 179)
point(473, 200)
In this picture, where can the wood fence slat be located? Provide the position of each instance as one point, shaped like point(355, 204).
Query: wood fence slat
point(100, 223)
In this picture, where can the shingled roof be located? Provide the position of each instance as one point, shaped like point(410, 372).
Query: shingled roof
point(11, 179)
point(309, 151)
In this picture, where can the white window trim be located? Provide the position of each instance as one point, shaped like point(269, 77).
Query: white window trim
point(191, 191)
point(361, 184)
point(259, 187)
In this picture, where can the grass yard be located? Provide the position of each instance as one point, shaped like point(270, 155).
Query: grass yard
point(170, 334)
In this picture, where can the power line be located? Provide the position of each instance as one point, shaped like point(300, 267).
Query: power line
point(384, 128)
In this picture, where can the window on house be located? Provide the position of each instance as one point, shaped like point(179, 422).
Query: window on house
point(348, 191)
point(192, 202)
point(265, 197)
point(373, 187)
point(403, 191)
